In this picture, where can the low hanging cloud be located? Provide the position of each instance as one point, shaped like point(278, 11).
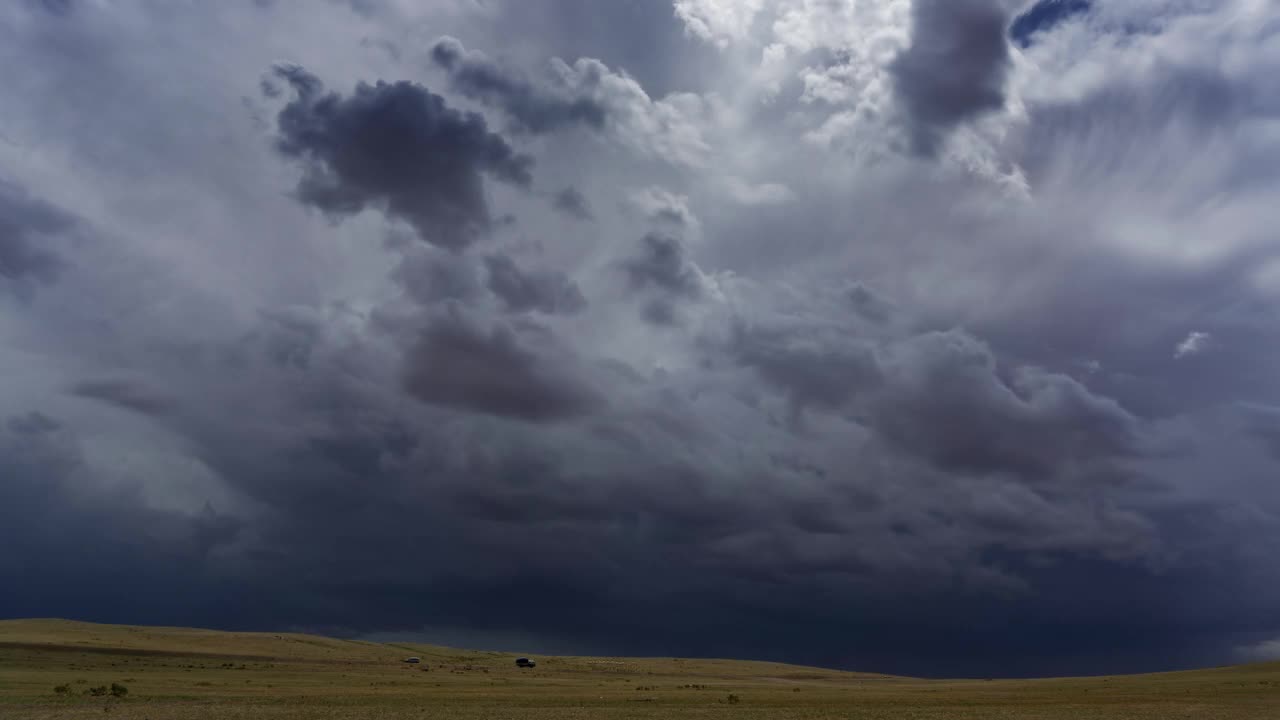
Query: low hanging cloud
point(458, 363)
point(397, 147)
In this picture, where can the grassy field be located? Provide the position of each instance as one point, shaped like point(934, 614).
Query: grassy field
point(186, 673)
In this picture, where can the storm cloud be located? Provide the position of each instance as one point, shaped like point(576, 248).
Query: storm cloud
point(546, 291)
point(456, 363)
point(573, 203)
point(26, 226)
point(399, 147)
point(534, 109)
point(647, 314)
point(955, 68)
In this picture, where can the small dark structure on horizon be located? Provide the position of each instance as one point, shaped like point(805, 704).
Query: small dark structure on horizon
point(525, 663)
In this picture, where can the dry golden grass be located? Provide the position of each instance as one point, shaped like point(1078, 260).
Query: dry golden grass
point(186, 673)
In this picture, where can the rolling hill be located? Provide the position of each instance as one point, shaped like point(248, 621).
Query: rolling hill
point(58, 668)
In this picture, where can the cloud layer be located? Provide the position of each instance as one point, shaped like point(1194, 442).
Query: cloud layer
point(921, 337)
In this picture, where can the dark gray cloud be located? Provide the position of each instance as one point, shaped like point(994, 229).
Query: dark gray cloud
point(663, 274)
point(123, 394)
point(459, 364)
point(26, 226)
point(821, 369)
point(399, 147)
point(941, 397)
point(532, 108)
point(946, 401)
point(33, 423)
point(98, 542)
point(431, 276)
point(662, 265)
point(955, 68)
point(546, 291)
point(573, 203)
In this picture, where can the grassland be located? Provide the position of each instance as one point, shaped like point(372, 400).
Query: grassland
point(186, 673)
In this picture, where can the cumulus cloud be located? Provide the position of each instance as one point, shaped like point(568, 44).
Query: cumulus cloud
point(955, 68)
point(587, 93)
point(397, 147)
point(460, 364)
point(536, 109)
point(663, 207)
point(662, 264)
point(573, 203)
point(719, 21)
point(430, 276)
point(546, 291)
point(1193, 344)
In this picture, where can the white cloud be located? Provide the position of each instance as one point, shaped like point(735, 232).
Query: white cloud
point(748, 193)
point(1194, 344)
point(662, 206)
point(669, 128)
point(1265, 651)
point(718, 21)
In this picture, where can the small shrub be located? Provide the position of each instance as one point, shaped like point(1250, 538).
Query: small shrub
point(97, 691)
point(62, 689)
point(795, 689)
point(733, 699)
point(118, 690)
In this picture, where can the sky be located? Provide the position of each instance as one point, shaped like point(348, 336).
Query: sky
point(933, 337)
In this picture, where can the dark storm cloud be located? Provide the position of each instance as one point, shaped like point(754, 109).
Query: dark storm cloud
point(430, 276)
point(33, 423)
point(941, 397)
point(946, 402)
point(459, 364)
point(546, 291)
point(533, 108)
point(662, 265)
point(573, 203)
point(818, 471)
point(812, 369)
point(955, 68)
point(136, 575)
point(123, 394)
point(26, 226)
point(398, 147)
